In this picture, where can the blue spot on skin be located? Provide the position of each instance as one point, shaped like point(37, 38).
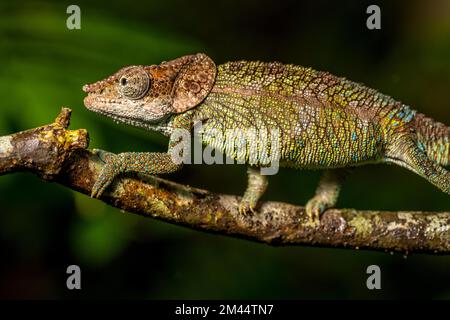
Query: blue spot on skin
point(354, 136)
point(400, 114)
point(409, 117)
point(355, 157)
point(421, 146)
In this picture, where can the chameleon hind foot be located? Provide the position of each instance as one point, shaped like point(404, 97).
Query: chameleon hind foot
point(257, 185)
point(316, 206)
point(247, 206)
point(326, 194)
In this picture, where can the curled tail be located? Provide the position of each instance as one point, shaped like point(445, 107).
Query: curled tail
point(433, 138)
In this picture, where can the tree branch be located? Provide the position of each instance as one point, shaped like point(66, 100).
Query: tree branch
point(57, 154)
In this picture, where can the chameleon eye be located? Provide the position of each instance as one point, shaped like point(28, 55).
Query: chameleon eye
point(134, 83)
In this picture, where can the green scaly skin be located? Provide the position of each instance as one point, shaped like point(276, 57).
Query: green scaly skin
point(325, 122)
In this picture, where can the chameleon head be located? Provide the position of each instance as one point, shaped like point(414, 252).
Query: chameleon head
point(146, 95)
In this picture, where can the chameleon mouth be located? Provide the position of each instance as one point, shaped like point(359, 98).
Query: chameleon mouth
point(108, 107)
point(102, 105)
point(91, 101)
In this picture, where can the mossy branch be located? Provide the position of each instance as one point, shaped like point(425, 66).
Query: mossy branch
point(57, 154)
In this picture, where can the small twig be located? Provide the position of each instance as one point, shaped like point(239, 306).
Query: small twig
point(57, 154)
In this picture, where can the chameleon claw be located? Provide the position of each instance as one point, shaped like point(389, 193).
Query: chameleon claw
point(93, 193)
point(98, 189)
point(314, 209)
point(247, 207)
point(99, 186)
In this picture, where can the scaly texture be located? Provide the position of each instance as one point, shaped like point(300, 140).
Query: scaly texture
point(322, 121)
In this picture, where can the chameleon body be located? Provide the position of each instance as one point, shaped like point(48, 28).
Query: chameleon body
point(323, 121)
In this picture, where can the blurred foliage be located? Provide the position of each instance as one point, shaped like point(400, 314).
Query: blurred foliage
point(45, 227)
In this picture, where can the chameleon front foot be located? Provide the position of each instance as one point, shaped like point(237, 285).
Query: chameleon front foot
point(146, 163)
point(257, 185)
point(110, 170)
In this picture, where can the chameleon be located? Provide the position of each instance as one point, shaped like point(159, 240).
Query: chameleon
point(324, 122)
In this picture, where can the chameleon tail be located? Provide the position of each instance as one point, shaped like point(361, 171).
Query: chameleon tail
point(433, 139)
point(406, 153)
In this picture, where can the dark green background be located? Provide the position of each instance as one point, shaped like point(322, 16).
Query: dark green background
point(45, 227)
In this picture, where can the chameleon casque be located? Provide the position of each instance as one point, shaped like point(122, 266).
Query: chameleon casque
point(325, 122)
